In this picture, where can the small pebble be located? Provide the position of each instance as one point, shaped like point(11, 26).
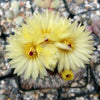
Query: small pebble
point(80, 98)
point(74, 84)
point(98, 47)
point(79, 2)
point(98, 67)
point(8, 99)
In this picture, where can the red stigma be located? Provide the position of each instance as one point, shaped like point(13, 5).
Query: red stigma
point(31, 53)
point(68, 75)
point(69, 45)
point(46, 40)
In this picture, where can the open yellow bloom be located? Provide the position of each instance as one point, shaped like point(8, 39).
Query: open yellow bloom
point(74, 49)
point(74, 43)
point(28, 52)
point(67, 75)
point(49, 23)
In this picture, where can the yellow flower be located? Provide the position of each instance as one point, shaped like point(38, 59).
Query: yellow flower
point(49, 23)
point(28, 52)
point(67, 75)
point(74, 43)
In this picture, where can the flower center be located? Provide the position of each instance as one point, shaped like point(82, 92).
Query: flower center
point(30, 50)
point(68, 76)
point(69, 42)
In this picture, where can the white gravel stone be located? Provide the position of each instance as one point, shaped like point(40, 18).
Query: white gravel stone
point(74, 84)
point(9, 14)
point(80, 98)
point(98, 67)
